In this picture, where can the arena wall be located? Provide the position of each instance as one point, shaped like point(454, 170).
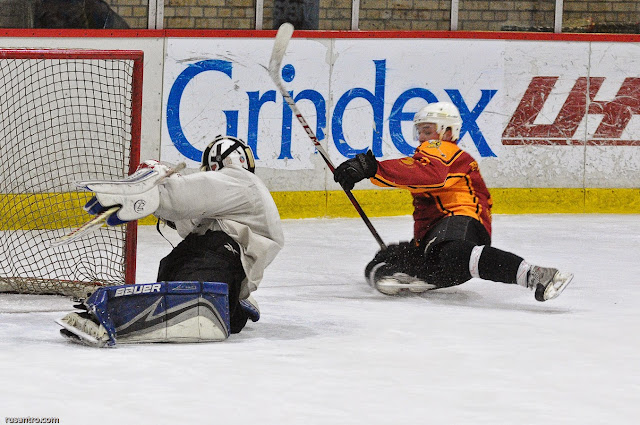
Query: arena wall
point(551, 119)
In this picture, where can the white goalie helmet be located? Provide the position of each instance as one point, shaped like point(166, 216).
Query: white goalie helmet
point(443, 114)
point(227, 150)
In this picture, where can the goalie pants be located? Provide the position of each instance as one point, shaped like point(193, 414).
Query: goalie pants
point(212, 257)
point(442, 258)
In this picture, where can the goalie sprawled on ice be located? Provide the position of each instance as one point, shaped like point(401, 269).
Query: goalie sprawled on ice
point(231, 230)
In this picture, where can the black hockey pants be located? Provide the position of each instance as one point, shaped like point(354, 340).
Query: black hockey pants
point(446, 252)
point(212, 257)
point(442, 257)
point(446, 249)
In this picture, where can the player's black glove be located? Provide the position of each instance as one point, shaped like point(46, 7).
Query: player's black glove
point(406, 255)
point(401, 253)
point(350, 172)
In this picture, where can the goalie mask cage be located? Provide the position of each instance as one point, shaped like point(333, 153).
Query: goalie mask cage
point(65, 116)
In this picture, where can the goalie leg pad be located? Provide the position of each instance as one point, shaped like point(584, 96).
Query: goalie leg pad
point(161, 312)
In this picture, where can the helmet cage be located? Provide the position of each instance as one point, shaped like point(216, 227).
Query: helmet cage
point(227, 150)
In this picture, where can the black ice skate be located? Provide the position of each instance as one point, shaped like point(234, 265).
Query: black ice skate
point(387, 280)
point(547, 282)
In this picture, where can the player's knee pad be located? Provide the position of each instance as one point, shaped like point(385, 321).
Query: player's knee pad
point(454, 252)
point(447, 262)
point(162, 312)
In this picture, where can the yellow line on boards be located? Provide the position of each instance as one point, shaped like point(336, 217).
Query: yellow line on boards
point(43, 210)
point(60, 210)
point(393, 202)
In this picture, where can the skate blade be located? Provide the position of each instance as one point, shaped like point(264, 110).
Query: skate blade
point(559, 283)
point(395, 287)
point(72, 337)
point(79, 336)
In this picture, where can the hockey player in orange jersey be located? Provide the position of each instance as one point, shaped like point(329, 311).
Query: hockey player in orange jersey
point(452, 216)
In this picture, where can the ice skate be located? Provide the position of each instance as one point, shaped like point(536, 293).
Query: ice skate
point(385, 279)
point(547, 282)
point(82, 328)
point(250, 306)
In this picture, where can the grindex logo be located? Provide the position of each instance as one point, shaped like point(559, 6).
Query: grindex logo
point(376, 95)
point(616, 114)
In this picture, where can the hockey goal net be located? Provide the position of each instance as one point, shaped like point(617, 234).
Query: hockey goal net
point(65, 116)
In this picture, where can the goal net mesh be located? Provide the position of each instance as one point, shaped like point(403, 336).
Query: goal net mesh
point(62, 120)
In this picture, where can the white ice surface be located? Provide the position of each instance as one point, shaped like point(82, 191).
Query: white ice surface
point(330, 350)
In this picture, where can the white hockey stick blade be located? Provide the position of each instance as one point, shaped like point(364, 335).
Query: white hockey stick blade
point(279, 49)
point(139, 182)
point(88, 227)
point(275, 63)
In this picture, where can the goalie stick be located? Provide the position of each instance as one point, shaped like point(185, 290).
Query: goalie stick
point(277, 55)
point(88, 227)
point(110, 187)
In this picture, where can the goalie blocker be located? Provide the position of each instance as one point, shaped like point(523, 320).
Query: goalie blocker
point(154, 312)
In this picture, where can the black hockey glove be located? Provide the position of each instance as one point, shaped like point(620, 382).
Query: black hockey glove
point(402, 253)
point(350, 172)
point(405, 255)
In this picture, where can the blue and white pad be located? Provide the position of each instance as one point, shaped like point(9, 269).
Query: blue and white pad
point(162, 312)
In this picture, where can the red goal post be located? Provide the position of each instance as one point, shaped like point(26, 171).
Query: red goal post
point(65, 115)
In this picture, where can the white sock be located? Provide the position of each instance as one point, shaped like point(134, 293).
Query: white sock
point(523, 273)
point(474, 260)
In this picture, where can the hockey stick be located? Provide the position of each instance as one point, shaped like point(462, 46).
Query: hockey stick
point(86, 228)
point(97, 221)
point(277, 55)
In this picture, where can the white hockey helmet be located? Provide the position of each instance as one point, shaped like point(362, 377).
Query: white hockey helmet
point(443, 114)
point(227, 150)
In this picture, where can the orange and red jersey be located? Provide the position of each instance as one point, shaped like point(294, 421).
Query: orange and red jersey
point(444, 181)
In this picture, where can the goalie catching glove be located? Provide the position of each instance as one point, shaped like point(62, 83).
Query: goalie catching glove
point(137, 195)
